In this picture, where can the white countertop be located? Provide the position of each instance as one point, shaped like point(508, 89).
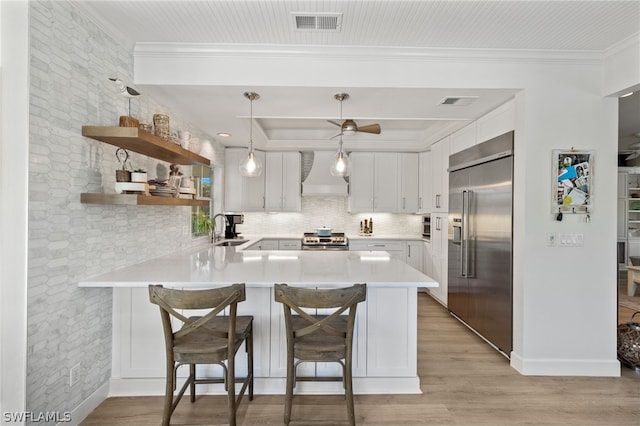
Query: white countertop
point(219, 265)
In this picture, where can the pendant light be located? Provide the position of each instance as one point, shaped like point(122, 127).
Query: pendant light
point(251, 165)
point(340, 165)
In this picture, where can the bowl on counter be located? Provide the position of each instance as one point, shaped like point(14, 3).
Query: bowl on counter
point(635, 260)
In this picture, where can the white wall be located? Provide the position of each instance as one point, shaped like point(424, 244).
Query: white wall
point(69, 62)
point(560, 106)
point(14, 122)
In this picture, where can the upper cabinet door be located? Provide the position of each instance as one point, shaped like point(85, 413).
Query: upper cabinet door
point(386, 181)
point(408, 173)
point(282, 186)
point(463, 138)
point(273, 182)
point(242, 194)
point(361, 182)
point(425, 183)
point(497, 122)
point(440, 162)
point(291, 181)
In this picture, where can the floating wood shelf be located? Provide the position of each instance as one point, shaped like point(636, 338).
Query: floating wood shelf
point(138, 200)
point(145, 143)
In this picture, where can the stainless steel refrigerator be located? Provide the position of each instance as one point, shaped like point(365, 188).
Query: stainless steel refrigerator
point(480, 239)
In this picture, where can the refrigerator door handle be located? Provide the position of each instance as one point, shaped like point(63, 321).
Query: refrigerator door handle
point(467, 234)
point(463, 237)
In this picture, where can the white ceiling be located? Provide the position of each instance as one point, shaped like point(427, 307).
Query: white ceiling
point(296, 117)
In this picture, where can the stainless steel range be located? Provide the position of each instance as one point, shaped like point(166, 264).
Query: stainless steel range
point(336, 241)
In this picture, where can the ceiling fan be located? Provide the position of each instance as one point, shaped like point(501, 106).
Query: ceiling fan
point(634, 149)
point(349, 127)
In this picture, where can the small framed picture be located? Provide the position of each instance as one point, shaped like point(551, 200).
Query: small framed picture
point(572, 181)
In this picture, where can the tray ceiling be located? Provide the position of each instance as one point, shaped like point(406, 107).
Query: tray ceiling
point(290, 118)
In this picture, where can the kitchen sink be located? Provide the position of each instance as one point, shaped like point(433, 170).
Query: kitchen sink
point(230, 243)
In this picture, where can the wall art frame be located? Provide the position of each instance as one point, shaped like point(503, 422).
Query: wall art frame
point(572, 181)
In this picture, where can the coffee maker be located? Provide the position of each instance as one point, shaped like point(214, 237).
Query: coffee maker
point(232, 221)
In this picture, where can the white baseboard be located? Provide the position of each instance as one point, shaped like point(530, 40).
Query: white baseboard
point(276, 386)
point(87, 406)
point(565, 367)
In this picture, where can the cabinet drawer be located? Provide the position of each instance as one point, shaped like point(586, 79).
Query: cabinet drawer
point(290, 245)
point(376, 245)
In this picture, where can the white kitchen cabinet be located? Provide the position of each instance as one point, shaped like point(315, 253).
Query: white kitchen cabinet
point(384, 182)
point(266, 244)
point(409, 180)
point(439, 264)
point(290, 244)
point(242, 194)
point(414, 254)
point(463, 138)
point(440, 175)
point(361, 182)
point(425, 182)
point(282, 182)
point(391, 353)
point(396, 248)
point(139, 352)
point(427, 259)
point(622, 205)
point(279, 345)
point(497, 122)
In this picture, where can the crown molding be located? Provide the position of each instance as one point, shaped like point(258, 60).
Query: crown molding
point(256, 51)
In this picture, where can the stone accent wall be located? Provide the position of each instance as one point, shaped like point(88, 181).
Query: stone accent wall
point(71, 60)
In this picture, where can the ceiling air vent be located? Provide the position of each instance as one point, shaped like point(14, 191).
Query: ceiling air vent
point(459, 100)
point(317, 21)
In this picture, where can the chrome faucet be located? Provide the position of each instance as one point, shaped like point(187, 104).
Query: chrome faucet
point(218, 237)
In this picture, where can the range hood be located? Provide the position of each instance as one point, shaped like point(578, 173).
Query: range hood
point(319, 180)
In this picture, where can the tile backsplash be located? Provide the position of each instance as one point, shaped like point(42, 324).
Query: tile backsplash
point(331, 212)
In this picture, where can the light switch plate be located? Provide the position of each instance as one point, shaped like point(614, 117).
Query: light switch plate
point(570, 240)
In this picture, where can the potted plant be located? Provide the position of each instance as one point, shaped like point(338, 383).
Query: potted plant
point(203, 225)
point(139, 175)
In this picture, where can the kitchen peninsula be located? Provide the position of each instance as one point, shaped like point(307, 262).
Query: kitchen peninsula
point(385, 340)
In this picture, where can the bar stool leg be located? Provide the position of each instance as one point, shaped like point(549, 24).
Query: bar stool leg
point(289, 391)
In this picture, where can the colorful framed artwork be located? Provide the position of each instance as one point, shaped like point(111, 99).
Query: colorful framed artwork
point(572, 181)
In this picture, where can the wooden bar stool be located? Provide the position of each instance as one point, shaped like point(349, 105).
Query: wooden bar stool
point(319, 338)
point(204, 339)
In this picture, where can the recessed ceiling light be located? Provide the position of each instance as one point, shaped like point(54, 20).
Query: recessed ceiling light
point(224, 135)
point(626, 94)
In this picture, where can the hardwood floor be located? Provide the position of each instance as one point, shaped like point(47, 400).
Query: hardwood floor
point(465, 382)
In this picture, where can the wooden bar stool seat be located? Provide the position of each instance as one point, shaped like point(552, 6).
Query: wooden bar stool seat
point(313, 337)
point(208, 338)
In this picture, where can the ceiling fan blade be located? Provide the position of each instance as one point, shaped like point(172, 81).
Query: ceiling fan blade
point(370, 128)
point(633, 155)
point(336, 135)
point(334, 123)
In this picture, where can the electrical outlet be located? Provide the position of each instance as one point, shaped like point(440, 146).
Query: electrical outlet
point(185, 230)
point(74, 375)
